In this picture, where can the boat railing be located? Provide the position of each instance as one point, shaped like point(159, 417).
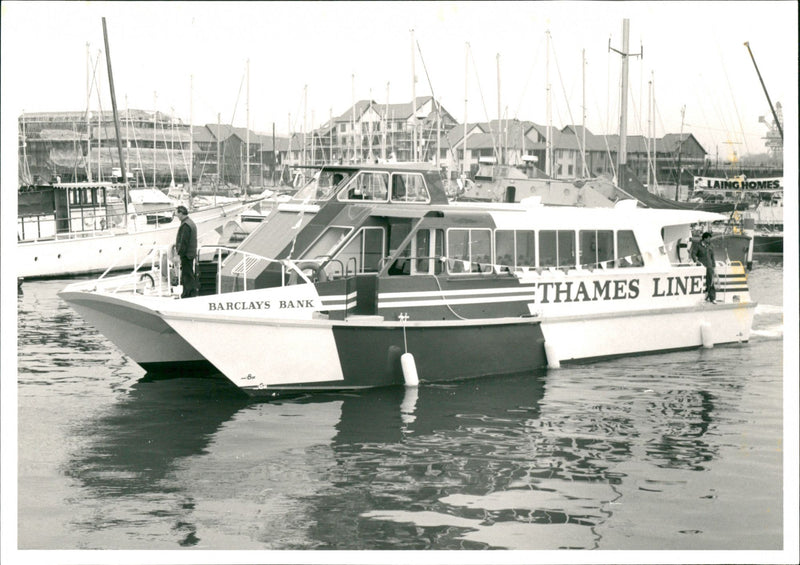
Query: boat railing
point(290, 268)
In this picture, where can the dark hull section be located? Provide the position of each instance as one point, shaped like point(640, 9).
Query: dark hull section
point(768, 244)
point(370, 355)
point(180, 369)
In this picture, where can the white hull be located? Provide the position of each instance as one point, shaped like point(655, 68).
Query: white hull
point(118, 250)
point(257, 354)
point(132, 324)
point(648, 331)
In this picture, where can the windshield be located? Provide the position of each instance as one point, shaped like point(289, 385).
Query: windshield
point(321, 186)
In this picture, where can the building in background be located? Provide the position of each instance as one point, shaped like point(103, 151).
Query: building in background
point(160, 150)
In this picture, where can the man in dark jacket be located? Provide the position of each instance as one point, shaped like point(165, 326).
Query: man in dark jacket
point(703, 254)
point(186, 247)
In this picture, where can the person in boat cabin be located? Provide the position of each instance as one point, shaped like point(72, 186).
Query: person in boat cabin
point(186, 247)
point(703, 254)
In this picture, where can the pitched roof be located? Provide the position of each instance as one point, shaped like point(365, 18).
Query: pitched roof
point(669, 143)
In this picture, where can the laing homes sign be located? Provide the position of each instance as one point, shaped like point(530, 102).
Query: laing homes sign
point(710, 184)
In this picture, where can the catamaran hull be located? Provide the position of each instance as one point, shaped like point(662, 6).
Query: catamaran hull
point(590, 338)
point(273, 357)
point(95, 253)
point(138, 332)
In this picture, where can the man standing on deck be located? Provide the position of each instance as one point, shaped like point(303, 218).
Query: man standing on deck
point(186, 247)
point(703, 254)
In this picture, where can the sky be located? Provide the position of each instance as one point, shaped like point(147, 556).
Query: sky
point(308, 60)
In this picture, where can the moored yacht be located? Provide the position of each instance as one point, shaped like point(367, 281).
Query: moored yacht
point(68, 229)
point(382, 279)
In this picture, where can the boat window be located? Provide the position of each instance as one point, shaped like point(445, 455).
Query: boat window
point(597, 248)
point(326, 244)
point(515, 249)
point(557, 248)
point(628, 254)
point(362, 254)
point(409, 187)
point(428, 249)
point(367, 185)
point(469, 250)
point(321, 187)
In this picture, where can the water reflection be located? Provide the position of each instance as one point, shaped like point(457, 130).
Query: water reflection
point(129, 453)
point(468, 467)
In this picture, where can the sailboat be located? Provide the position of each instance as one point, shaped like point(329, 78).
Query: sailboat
point(69, 229)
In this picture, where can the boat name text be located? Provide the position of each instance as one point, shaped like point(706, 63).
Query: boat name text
point(622, 289)
point(260, 305)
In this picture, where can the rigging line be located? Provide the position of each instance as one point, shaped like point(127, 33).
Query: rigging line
point(169, 153)
point(733, 99)
point(100, 106)
point(670, 156)
point(238, 96)
point(699, 101)
point(483, 101)
point(138, 154)
point(605, 142)
point(569, 110)
point(436, 102)
point(88, 161)
point(530, 75)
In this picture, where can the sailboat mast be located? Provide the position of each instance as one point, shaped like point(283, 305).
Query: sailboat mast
point(499, 116)
point(305, 113)
point(466, 76)
point(247, 132)
point(584, 168)
point(680, 147)
point(191, 133)
point(88, 119)
point(116, 116)
point(414, 148)
point(385, 123)
point(622, 156)
point(155, 134)
point(549, 142)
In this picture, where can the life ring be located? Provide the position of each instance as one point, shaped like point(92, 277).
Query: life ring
point(147, 280)
point(316, 274)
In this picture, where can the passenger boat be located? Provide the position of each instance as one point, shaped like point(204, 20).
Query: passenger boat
point(69, 229)
point(332, 295)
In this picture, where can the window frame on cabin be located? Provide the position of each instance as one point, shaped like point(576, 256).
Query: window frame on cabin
point(476, 265)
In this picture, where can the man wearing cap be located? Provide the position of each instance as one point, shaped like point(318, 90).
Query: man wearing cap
point(186, 247)
point(703, 254)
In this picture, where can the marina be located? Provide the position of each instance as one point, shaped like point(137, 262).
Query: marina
point(280, 298)
point(678, 450)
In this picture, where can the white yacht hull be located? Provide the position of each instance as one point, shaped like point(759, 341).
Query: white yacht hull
point(131, 323)
point(584, 338)
point(97, 252)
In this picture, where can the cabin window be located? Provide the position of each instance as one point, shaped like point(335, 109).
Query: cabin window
point(368, 185)
point(628, 254)
point(596, 248)
point(515, 249)
point(321, 187)
point(428, 248)
point(469, 250)
point(326, 244)
point(362, 254)
point(557, 248)
point(409, 187)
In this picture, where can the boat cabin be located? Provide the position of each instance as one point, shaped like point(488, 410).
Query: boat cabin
point(67, 210)
point(394, 229)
